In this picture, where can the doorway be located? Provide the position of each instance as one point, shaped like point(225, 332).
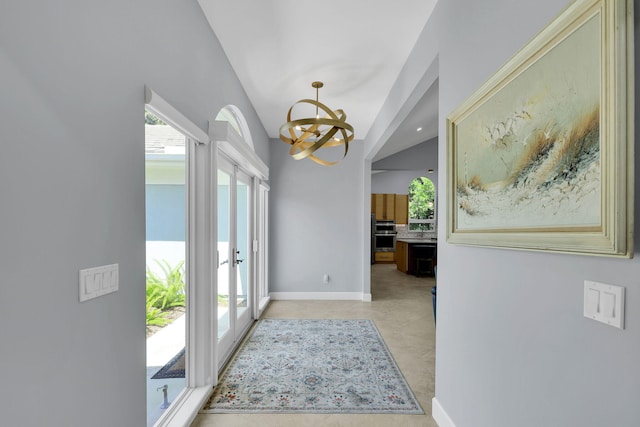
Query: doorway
point(235, 292)
point(243, 191)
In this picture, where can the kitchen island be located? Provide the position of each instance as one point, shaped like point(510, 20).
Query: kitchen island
point(416, 255)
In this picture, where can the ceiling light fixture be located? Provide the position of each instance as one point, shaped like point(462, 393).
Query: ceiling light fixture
point(310, 134)
point(418, 130)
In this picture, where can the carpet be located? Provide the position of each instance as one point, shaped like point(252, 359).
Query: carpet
point(172, 369)
point(313, 366)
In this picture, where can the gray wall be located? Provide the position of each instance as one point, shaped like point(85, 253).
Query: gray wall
point(513, 348)
point(397, 182)
point(398, 170)
point(418, 74)
point(73, 192)
point(422, 156)
point(316, 222)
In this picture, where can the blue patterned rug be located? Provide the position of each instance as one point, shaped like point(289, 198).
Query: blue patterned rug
point(313, 366)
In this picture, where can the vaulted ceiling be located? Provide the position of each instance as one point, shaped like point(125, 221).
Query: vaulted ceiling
point(356, 47)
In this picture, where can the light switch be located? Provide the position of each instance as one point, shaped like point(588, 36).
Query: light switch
point(604, 303)
point(98, 281)
point(608, 304)
point(593, 301)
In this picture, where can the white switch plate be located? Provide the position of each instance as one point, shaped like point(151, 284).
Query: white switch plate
point(98, 281)
point(604, 303)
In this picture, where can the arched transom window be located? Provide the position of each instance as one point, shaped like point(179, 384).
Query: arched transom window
point(233, 115)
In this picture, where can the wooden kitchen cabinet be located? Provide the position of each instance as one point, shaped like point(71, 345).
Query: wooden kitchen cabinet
point(390, 206)
point(385, 257)
point(401, 255)
point(377, 205)
point(402, 208)
point(383, 206)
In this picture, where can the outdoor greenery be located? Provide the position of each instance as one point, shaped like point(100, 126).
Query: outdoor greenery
point(151, 119)
point(223, 300)
point(164, 293)
point(421, 202)
point(155, 316)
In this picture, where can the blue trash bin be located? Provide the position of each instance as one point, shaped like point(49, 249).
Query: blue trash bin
point(433, 297)
point(434, 292)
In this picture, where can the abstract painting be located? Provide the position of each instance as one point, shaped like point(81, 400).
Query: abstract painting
point(539, 157)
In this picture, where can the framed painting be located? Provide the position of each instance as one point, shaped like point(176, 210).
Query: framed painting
point(541, 156)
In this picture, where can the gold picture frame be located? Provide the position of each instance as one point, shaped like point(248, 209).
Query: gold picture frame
point(541, 156)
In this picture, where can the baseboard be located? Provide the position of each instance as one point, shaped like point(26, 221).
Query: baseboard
point(185, 407)
point(440, 415)
point(332, 296)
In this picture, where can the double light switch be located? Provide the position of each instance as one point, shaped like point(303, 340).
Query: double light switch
point(604, 303)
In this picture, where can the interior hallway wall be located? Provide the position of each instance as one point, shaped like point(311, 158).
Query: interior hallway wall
point(513, 347)
point(398, 170)
point(397, 182)
point(72, 187)
point(316, 222)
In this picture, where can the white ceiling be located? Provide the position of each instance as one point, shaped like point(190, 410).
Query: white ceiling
point(356, 47)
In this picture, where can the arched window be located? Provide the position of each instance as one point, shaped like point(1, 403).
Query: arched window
point(233, 115)
point(422, 205)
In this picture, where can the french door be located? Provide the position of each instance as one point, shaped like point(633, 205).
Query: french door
point(235, 251)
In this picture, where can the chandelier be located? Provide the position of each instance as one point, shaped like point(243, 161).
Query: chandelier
point(308, 135)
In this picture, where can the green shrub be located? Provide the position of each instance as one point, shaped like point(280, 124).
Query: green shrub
point(155, 316)
point(167, 292)
point(164, 293)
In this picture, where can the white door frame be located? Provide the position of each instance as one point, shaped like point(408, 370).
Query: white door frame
point(201, 375)
point(238, 325)
point(261, 248)
point(232, 146)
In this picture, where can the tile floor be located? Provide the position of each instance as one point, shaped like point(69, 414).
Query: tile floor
point(402, 311)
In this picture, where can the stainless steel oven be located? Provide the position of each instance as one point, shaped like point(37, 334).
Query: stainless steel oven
point(385, 236)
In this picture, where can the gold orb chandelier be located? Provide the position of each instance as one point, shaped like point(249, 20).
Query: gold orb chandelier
point(308, 135)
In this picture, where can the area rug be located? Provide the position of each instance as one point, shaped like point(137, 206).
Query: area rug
point(313, 366)
point(174, 368)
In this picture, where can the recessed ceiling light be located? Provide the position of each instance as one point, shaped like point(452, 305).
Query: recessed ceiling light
point(430, 170)
point(419, 129)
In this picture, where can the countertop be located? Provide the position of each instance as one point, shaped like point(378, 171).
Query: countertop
point(421, 240)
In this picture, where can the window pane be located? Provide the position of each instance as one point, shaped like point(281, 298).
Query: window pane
point(166, 262)
point(421, 205)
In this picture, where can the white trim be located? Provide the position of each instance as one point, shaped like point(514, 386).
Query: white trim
point(233, 146)
point(168, 113)
point(262, 304)
point(366, 297)
point(201, 372)
point(440, 415)
point(201, 319)
point(331, 296)
point(185, 407)
point(261, 237)
point(200, 206)
point(238, 117)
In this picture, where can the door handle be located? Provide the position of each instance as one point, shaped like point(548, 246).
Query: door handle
point(236, 261)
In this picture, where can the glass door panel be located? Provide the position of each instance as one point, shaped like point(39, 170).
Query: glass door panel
point(167, 279)
point(243, 245)
point(224, 251)
point(234, 252)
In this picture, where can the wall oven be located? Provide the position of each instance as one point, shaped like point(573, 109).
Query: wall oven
point(385, 236)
